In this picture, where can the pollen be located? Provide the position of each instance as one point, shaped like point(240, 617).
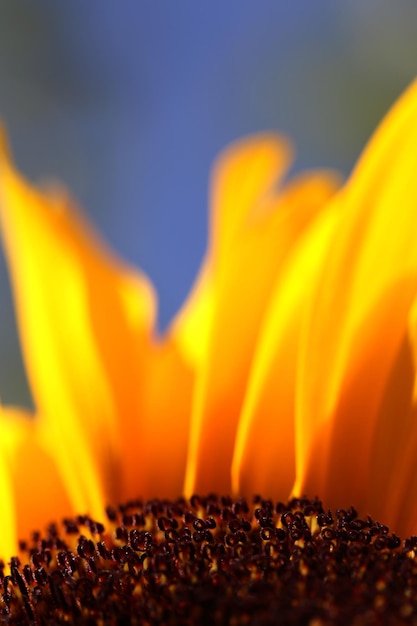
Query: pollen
point(213, 560)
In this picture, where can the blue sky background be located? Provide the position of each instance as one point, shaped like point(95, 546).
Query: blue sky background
point(128, 103)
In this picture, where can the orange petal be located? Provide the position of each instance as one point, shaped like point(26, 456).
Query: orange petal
point(31, 488)
point(394, 447)
point(161, 447)
point(260, 228)
point(264, 455)
point(359, 315)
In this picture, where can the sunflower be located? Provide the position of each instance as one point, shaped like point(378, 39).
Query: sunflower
point(290, 369)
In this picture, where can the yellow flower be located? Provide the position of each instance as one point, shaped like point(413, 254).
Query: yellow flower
point(290, 369)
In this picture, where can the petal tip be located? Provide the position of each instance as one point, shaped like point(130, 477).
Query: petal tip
point(5, 151)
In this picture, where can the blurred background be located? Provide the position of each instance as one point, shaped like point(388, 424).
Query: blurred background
point(128, 102)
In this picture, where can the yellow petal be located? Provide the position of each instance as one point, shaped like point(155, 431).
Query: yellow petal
point(85, 321)
point(359, 315)
point(242, 183)
point(191, 325)
point(8, 536)
point(245, 254)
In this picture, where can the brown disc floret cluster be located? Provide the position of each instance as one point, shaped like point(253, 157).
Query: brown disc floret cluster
point(212, 560)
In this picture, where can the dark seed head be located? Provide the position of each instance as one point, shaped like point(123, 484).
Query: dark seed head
point(213, 561)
